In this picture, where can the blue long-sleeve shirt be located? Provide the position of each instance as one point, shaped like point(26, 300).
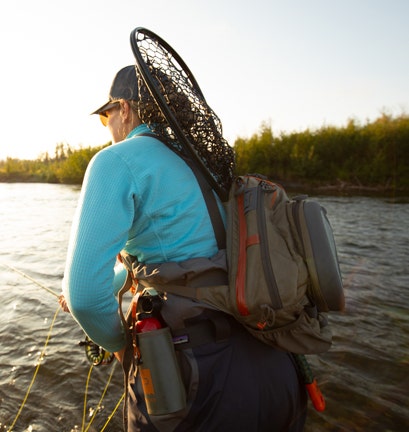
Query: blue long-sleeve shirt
point(140, 196)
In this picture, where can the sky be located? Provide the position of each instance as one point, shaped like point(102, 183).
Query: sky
point(290, 64)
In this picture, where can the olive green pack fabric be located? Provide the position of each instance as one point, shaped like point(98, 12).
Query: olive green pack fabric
point(278, 276)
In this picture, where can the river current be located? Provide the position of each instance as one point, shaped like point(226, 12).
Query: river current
point(364, 377)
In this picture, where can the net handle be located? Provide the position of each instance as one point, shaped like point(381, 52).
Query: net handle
point(163, 106)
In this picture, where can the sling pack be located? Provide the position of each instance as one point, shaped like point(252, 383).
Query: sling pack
point(283, 266)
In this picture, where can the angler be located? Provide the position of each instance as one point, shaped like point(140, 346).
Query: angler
point(189, 365)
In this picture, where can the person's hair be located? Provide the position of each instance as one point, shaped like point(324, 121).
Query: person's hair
point(134, 105)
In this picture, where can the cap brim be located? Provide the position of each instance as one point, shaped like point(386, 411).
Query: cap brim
point(110, 104)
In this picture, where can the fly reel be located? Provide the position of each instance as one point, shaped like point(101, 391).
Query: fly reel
point(95, 354)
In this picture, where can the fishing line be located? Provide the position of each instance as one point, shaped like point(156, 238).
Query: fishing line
point(84, 411)
point(49, 290)
point(113, 412)
point(101, 399)
point(35, 372)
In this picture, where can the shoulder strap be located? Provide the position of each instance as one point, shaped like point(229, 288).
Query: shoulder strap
point(212, 208)
point(208, 194)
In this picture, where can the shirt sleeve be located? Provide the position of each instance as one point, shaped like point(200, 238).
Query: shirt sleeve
point(100, 228)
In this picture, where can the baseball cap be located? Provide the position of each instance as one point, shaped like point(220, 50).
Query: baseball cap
point(124, 86)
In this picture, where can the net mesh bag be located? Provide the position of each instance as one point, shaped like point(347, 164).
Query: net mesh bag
point(173, 106)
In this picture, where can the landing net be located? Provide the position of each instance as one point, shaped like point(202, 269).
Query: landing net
point(184, 119)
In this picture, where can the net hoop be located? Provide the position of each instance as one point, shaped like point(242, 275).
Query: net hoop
point(200, 138)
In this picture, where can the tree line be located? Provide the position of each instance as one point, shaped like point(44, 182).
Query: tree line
point(67, 166)
point(371, 156)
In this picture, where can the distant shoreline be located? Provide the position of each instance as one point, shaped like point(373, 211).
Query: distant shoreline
point(339, 188)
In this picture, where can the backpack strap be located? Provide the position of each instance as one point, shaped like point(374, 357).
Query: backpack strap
point(212, 207)
point(208, 194)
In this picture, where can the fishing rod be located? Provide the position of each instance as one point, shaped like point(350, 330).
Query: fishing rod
point(26, 276)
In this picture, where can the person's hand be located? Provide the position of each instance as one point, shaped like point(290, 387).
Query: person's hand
point(63, 303)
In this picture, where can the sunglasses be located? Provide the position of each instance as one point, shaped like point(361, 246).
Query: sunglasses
point(103, 116)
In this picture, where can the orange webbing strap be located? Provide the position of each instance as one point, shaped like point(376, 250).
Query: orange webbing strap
point(241, 265)
point(134, 308)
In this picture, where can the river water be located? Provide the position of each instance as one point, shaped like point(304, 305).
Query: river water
point(364, 377)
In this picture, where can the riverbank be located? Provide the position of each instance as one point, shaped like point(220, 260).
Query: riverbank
point(342, 188)
point(338, 188)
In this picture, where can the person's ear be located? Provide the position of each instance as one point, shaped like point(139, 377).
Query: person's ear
point(124, 110)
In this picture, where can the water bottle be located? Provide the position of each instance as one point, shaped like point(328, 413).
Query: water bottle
point(158, 367)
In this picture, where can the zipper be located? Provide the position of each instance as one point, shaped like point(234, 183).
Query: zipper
point(264, 247)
